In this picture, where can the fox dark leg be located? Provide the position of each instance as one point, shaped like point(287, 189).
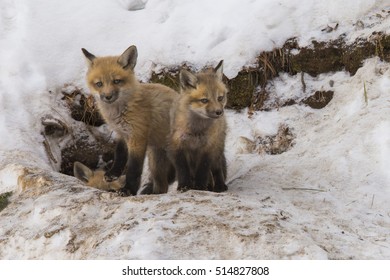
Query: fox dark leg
point(210, 183)
point(183, 171)
point(171, 173)
point(202, 174)
point(147, 188)
point(159, 165)
point(120, 160)
point(135, 164)
point(133, 175)
point(219, 175)
point(162, 171)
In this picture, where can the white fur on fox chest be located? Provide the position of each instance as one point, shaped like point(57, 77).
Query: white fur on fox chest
point(113, 114)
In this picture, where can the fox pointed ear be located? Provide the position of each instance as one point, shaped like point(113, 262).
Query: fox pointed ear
point(128, 59)
point(82, 172)
point(187, 79)
point(219, 70)
point(90, 57)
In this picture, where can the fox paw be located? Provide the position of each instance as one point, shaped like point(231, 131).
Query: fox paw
point(219, 189)
point(124, 192)
point(183, 188)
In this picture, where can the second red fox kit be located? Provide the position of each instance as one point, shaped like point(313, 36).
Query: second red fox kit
point(198, 131)
point(139, 113)
point(95, 178)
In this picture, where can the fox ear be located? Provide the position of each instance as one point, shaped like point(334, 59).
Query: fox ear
point(187, 79)
point(82, 172)
point(90, 57)
point(219, 70)
point(128, 59)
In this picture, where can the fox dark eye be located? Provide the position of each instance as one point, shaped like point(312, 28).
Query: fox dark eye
point(99, 84)
point(117, 81)
point(204, 100)
point(220, 98)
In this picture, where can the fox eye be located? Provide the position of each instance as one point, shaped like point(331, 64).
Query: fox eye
point(99, 84)
point(220, 98)
point(204, 100)
point(117, 81)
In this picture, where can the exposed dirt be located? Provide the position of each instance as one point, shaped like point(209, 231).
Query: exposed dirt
point(87, 152)
point(319, 99)
point(247, 89)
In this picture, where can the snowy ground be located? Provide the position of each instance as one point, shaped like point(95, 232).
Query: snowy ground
point(325, 198)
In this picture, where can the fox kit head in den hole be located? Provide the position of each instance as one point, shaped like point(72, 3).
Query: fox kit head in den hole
point(95, 178)
point(111, 77)
point(205, 92)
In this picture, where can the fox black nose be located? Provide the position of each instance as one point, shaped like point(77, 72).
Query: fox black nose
point(218, 112)
point(109, 98)
point(106, 97)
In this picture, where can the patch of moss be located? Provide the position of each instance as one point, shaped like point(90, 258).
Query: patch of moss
point(4, 200)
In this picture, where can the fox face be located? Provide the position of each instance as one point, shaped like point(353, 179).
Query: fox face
point(95, 178)
point(111, 77)
point(206, 93)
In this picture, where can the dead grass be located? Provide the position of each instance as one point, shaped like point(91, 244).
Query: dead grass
point(82, 107)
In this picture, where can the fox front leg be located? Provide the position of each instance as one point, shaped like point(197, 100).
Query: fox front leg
point(219, 175)
point(183, 171)
point(202, 174)
point(120, 160)
point(135, 163)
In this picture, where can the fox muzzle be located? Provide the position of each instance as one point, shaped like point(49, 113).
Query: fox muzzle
point(109, 97)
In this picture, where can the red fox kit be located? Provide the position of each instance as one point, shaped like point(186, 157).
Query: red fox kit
point(139, 113)
point(95, 179)
point(198, 131)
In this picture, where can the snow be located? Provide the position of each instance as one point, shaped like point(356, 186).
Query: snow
point(325, 198)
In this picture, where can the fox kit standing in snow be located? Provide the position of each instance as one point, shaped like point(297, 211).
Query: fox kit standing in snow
point(198, 131)
point(95, 178)
point(139, 113)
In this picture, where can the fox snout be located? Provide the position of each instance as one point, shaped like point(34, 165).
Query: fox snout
point(109, 97)
point(215, 114)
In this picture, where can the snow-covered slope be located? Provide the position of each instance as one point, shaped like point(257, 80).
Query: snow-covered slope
point(326, 197)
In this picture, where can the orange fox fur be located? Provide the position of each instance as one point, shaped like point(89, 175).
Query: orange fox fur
point(198, 131)
point(139, 113)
